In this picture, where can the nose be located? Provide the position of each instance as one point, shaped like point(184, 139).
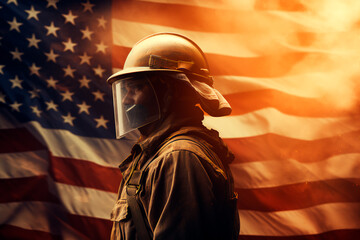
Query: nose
point(128, 99)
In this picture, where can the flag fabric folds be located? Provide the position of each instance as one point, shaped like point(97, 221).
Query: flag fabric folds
point(289, 69)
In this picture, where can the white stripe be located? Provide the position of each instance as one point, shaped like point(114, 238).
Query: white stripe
point(270, 120)
point(278, 173)
point(216, 4)
point(313, 220)
point(24, 164)
point(62, 143)
point(231, 44)
point(40, 216)
point(86, 201)
point(310, 85)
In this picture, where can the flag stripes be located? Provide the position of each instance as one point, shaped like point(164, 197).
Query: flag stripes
point(294, 128)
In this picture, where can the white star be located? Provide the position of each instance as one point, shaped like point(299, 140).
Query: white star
point(99, 71)
point(52, 3)
point(69, 45)
point(51, 105)
point(12, 1)
point(102, 22)
point(86, 33)
point(16, 82)
point(85, 58)
point(70, 17)
point(88, 6)
point(36, 110)
point(51, 29)
point(69, 71)
point(33, 41)
point(51, 56)
point(32, 13)
point(34, 93)
point(2, 97)
point(98, 95)
point(84, 82)
point(16, 106)
point(16, 54)
point(1, 69)
point(101, 122)
point(68, 119)
point(34, 70)
point(67, 95)
point(14, 25)
point(83, 107)
point(51, 82)
point(101, 47)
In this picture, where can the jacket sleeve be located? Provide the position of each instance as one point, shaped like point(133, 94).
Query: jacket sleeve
point(182, 201)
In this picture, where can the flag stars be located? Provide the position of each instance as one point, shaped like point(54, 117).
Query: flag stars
point(69, 71)
point(36, 110)
point(52, 3)
point(101, 22)
point(51, 105)
point(101, 47)
point(12, 1)
point(34, 93)
point(68, 119)
point(84, 82)
point(34, 70)
point(86, 33)
point(33, 41)
point(2, 97)
point(88, 6)
point(85, 58)
point(51, 29)
point(101, 122)
point(32, 13)
point(16, 54)
point(16, 82)
point(67, 95)
point(1, 69)
point(51, 82)
point(83, 107)
point(70, 17)
point(14, 25)
point(98, 95)
point(99, 71)
point(16, 106)
point(69, 45)
point(51, 56)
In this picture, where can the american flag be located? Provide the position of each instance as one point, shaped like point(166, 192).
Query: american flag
point(289, 68)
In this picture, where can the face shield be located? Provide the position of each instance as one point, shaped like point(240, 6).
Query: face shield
point(135, 104)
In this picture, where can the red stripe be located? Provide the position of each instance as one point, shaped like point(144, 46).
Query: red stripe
point(201, 19)
point(260, 67)
point(342, 234)
point(92, 228)
point(300, 195)
point(280, 5)
point(272, 146)
point(18, 140)
point(85, 174)
point(9, 232)
point(246, 102)
point(26, 189)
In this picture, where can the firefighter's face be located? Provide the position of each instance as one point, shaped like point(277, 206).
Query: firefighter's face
point(137, 92)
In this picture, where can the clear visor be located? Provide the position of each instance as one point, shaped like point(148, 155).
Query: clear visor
point(135, 104)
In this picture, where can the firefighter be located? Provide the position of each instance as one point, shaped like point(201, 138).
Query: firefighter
point(176, 182)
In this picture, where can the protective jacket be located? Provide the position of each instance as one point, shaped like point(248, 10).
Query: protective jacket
point(187, 188)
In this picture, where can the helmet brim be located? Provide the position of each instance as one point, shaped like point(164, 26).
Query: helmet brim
point(134, 70)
